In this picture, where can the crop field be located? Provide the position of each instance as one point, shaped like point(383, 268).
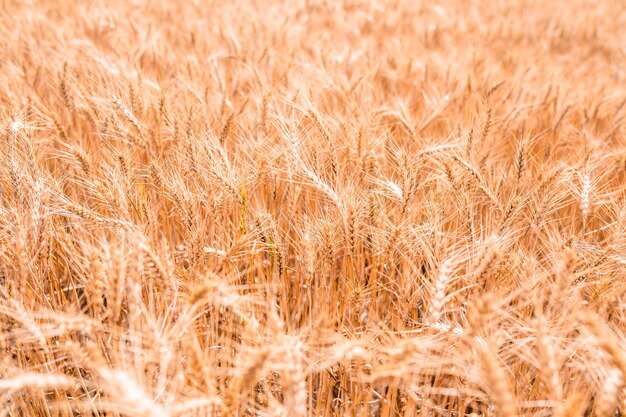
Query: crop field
point(312, 208)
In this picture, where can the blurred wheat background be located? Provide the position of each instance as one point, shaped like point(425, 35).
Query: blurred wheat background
point(312, 208)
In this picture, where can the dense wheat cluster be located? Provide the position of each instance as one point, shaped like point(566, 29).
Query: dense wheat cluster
point(312, 208)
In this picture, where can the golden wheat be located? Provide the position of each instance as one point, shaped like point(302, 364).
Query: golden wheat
point(312, 208)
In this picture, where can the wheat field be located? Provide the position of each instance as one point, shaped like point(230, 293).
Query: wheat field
point(312, 208)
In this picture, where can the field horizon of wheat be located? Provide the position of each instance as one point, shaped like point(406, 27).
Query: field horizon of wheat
point(312, 208)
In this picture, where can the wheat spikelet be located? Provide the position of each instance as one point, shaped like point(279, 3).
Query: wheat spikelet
point(36, 381)
point(502, 394)
point(605, 340)
point(608, 399)
point(585, 195)
point(549, 367)
point(439, 296)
